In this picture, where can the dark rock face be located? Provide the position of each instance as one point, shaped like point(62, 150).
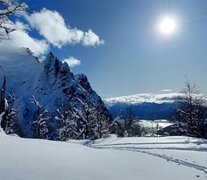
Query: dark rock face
point(75, 88)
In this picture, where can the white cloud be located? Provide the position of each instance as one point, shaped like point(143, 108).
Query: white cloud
point(166, 90)
point(21, 38)
point(143, 98)
point(53, 28)
point(72, 62)
point(90, 38)
point(51, 25)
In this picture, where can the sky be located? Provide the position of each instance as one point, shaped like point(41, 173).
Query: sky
point(118, 45)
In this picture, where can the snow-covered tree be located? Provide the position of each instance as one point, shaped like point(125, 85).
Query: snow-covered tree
point(3, 100)
point(10, 118)
point(68, 124)
point(191, 111)
point(40, 125)
point(127, 125)
point(93, 124)
point(2, 96)
point(7, 9)
point(86, 122)
point(1, 116)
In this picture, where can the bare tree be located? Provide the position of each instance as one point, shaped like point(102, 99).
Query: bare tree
point(191, 111)
point(7, 9)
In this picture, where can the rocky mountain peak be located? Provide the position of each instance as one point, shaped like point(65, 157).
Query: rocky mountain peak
point(54, 86)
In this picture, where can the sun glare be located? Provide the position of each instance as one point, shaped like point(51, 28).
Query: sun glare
point(167, 25)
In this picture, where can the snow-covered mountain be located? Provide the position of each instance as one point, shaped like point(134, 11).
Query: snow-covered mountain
point(145, 106)
point(52, 84)
point(145, 98)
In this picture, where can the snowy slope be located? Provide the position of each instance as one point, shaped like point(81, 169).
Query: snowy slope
point(21, 69)
point(51, 82)
point(108, 159)
point(182, 151)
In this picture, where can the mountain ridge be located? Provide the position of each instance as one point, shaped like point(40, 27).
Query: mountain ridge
point(53, 85)
point(144, 106)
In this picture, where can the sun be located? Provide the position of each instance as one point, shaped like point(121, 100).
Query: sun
point(167, 25)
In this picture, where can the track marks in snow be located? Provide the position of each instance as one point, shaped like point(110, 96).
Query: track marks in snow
point(170, 158)
point(144, 151)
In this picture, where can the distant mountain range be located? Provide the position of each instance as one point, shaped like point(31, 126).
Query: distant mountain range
point(144, 106)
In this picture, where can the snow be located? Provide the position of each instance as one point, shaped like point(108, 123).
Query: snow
point(162, 123)
point(20, 69)
point(109, 158)
point(11, 7)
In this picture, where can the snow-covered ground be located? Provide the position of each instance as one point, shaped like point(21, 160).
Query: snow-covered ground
point(161, 123)
point(110, 158)
point(152, 126)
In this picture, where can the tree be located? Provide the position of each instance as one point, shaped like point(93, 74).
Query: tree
point(1, 115)
point(68, 124)
point(2, 96)
point(102, 123)
point(3, 99)
point(86, 122)
point(191, 111)
point(127, 125)
point(131, 125)
point(40, 125)
point(10, 121)
point(7, 9)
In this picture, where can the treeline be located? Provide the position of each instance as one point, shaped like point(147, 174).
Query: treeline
point(67, 123)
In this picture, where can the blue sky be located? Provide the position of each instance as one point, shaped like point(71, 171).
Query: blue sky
point(136, 57)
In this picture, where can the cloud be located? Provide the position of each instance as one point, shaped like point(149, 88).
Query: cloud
point(72, 62)
point(145, 98)
point(166, 90)
point(90, 38)
point(21, 38)
point(53, 28)
point(51, 25)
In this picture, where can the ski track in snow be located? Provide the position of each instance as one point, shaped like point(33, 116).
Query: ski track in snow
point(163, 156)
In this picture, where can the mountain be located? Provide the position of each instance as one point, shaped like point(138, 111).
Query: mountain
point(53, 86)
point(144, 106)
